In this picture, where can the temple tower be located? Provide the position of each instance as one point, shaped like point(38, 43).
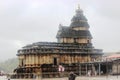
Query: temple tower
point(77, 32)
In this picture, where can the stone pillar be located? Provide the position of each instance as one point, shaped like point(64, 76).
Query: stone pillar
point(79, 69)
point(86, 69)
point(29, 59)
point(37, 62)
point(72, 58)
point(69, 59)
point(40, 59)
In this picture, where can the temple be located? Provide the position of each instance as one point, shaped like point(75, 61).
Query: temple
point(73, 51)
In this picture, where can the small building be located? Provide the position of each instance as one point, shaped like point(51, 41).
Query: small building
point(50, 59)
point(115, 59)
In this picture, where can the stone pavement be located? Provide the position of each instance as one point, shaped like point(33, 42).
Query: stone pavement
point(78, 78)
point(88, 78)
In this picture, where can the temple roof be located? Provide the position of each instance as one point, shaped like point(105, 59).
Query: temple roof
point(70, 33)
point(56, 48)
point(55, 44)
point(79, 20)
point(79, 24)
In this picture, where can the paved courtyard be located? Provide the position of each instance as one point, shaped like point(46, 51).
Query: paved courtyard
point(78, 78)
point(88, 78)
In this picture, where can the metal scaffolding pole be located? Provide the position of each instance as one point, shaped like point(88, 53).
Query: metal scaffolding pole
point(99, 69)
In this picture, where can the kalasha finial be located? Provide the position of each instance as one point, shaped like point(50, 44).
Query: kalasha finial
point(78, 6)
point(60, 25)
point(78, 10)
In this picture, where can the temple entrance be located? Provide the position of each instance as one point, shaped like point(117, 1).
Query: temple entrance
point(55, 61)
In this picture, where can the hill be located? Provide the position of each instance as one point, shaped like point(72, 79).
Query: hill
point(9, 65)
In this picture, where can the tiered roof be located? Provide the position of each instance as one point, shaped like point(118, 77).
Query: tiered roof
point(70, 33)
point(59, 48)
point(79, 20)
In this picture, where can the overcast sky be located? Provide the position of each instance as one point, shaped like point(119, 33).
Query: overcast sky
point(24, 22)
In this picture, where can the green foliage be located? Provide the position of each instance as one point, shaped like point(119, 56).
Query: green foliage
point(9, 65)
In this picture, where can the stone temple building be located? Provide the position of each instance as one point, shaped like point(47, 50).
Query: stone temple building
point(50, 59)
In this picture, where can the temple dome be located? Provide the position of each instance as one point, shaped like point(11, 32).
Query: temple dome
point(79, 20)
point(79, 27)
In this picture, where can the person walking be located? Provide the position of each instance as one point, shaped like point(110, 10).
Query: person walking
point(72, 76)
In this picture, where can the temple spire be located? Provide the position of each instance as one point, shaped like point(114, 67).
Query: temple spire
point(78, 6)
point(78, 10)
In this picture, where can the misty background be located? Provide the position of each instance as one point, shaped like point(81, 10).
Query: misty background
point(24, 22)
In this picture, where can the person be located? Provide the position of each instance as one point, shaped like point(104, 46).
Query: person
point(61, 70)
point(72, 76)
point(8, 77)
point(89, 72)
